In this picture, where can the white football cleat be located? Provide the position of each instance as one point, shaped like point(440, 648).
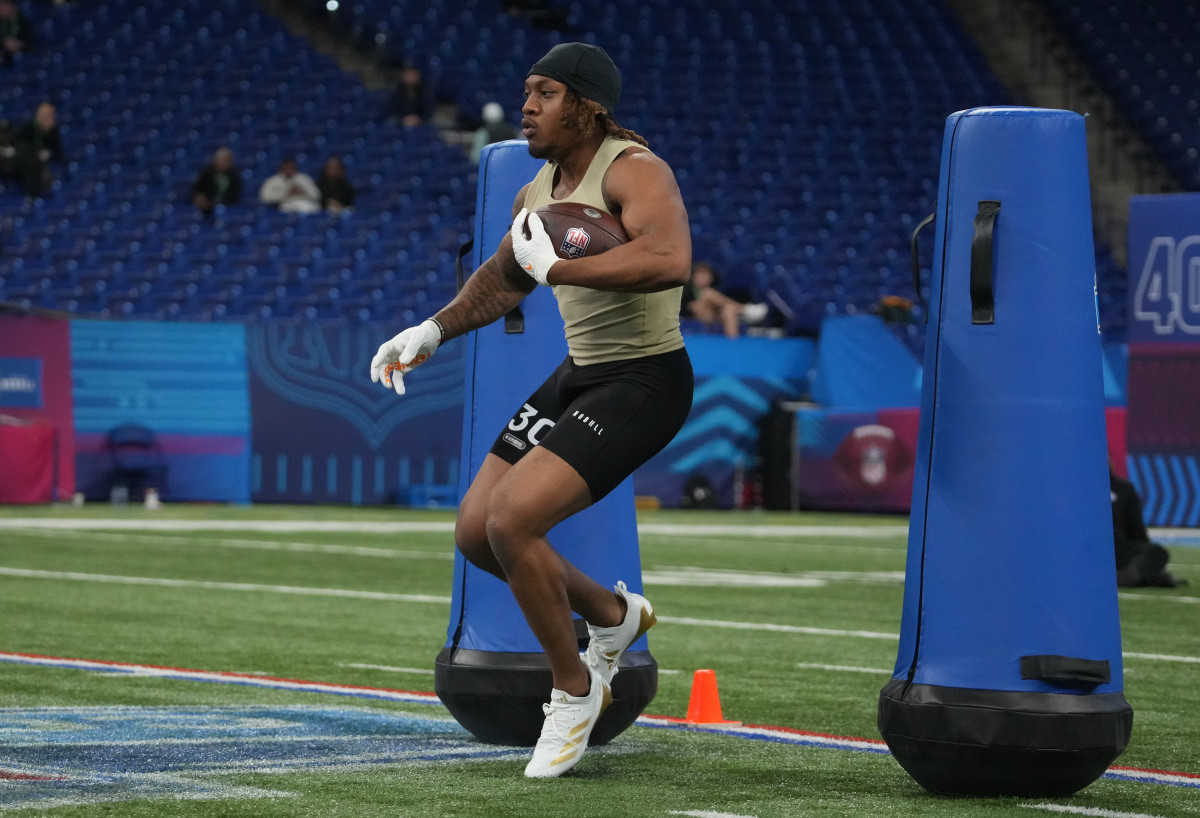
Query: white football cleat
point(607, 644)
point(569, 723)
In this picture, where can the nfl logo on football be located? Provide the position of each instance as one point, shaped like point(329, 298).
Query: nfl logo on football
point(575, 242)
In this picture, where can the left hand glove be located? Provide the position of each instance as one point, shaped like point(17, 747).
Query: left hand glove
point(407, 350)
point(535, 254)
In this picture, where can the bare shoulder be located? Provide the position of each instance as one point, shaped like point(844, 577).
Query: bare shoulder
point(637, 173)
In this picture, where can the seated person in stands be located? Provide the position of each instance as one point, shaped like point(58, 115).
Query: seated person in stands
point(16, 34)
point(219, 183)
point(1140, 562)
point(38, 143)
point(705, 303)
point(410, 103)
point(291, 190)
point(337, 192)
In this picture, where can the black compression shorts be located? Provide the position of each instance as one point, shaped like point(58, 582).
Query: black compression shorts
point(605, 419)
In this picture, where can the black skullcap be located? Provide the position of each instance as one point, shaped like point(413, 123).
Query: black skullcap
point(586, 68)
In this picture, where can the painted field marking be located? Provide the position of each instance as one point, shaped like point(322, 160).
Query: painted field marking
point(139, 538)
point(845, 668)
point(773, 628)
point(221, 677)
point(693, 577)
point(784, 735)
point(838, 531)
point(222, 586)
point(389, 597)
point(1162, 657)
point(388, 668)
point(267, 526)
point(1101, 813)
point(91, 755)
point(443, 527)
point(1187, 600)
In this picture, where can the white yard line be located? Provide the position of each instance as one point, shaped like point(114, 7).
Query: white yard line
point(846, 668)
point(1096, 811)
point(774, 628)
point(398, 527)
point(221, 586)
point(1162, 657)
point(388, 668)
point(138, 538)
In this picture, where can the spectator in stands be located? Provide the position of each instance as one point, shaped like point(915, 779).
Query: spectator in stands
point(1140, 562)
point(705, 303)
point(493, 129)
point(410, 104)
point(38, 144)
point(291, 190)
point(8, 153)
point(219, 183)
point(16, 34)
point(337, 192)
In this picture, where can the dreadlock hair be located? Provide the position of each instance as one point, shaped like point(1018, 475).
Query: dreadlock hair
point(587, 115)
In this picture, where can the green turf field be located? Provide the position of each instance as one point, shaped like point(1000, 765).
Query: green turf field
point(797, 614)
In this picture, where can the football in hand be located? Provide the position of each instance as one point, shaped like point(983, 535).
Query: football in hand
point(578, 230)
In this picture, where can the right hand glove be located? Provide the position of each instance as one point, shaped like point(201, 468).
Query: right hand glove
point(404, 352)
point(535, 254)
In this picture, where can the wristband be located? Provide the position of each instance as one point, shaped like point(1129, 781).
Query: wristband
point(441, 329)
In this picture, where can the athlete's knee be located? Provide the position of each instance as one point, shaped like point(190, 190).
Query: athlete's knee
point(471, 539)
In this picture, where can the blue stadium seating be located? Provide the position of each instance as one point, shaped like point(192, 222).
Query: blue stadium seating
point(804, 135)
point(1146, 57)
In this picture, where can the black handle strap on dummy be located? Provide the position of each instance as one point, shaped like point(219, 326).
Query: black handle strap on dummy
point(459, 276)
point(1066, 670)
point(983, 301)
point(916, 262)
point(514, 321)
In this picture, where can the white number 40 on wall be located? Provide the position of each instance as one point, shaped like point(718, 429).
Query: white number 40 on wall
point(1168, 289)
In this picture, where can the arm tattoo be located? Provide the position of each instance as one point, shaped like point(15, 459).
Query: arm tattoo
point(488, 294)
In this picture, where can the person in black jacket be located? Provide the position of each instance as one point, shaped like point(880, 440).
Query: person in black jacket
point(337, 191)
point(1140, 562)
point(38, 144)
point(219, 183)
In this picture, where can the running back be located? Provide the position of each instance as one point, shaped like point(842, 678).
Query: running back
point(492, 674)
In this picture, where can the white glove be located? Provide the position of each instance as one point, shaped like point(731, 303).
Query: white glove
point(405, 352)
point(535, 254)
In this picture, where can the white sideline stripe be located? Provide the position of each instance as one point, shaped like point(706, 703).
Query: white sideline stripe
point(361, 666)
point(256, 545)
point(703, 813)
point(398, 527)
point(1102, 813)
point(844, 668)
point(769, 626)
point(1162, 657)
point(222, 586)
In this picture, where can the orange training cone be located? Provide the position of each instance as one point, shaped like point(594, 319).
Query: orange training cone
point(704, 707)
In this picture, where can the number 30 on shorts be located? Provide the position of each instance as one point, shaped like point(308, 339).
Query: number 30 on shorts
point(521, 422)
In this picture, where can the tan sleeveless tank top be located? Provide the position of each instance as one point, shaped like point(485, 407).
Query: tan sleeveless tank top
point(601, 325)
